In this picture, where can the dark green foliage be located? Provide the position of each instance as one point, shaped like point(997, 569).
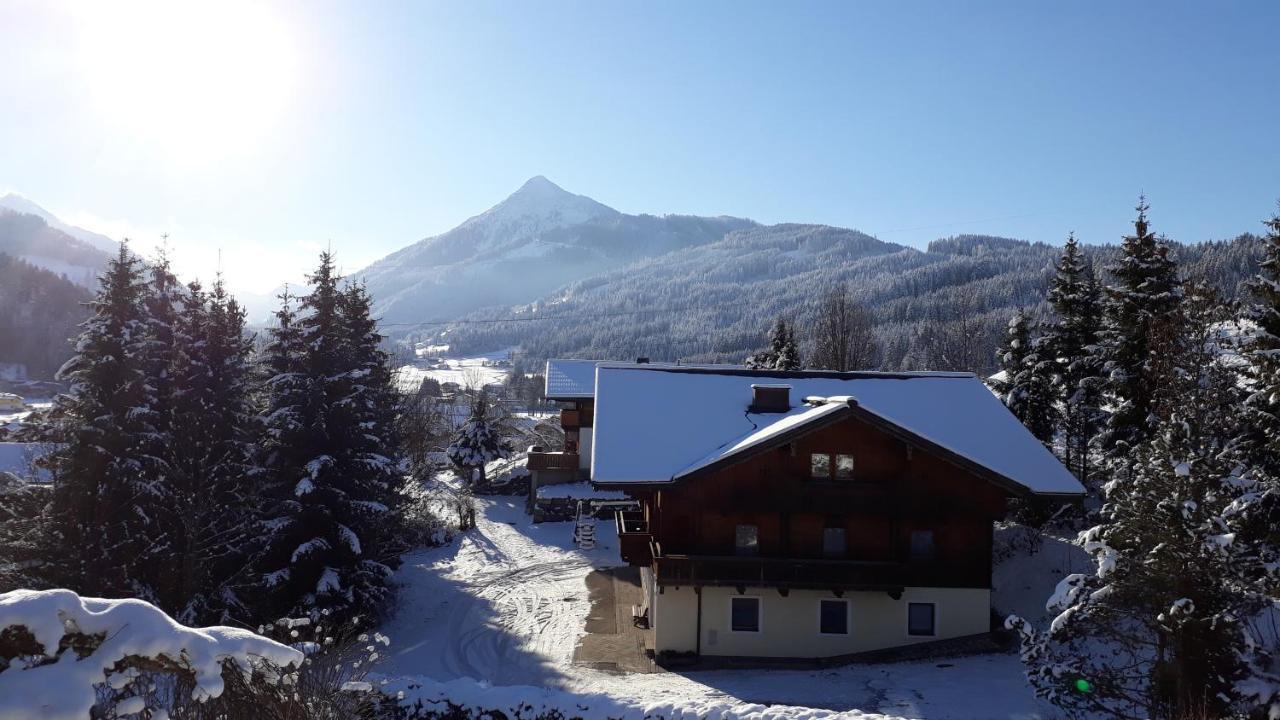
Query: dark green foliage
point(107, 505)
point(479, 441)
point(1027, 388)
point(39, 315)
point(332, 463)
point(1071, 344)
point(1143, 294)
point(782, 354)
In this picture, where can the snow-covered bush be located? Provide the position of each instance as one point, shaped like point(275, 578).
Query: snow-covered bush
point(61, 655)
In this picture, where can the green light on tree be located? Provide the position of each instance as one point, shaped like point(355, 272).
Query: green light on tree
point(1083, 685)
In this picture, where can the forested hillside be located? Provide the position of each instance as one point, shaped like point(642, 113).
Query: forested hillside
point(39, 315)
point(31, 238)
point(714, 302)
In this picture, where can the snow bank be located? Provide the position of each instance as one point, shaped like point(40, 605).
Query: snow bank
point(64, 689)
point(524, 701)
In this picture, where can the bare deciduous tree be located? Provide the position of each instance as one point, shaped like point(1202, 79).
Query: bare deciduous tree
point(842, 334)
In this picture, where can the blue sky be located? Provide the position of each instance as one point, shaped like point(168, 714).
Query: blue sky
point(270, 130)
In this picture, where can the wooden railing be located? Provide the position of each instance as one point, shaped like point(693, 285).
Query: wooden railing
point(553, 461)
point(634, 538)
point(731, 570)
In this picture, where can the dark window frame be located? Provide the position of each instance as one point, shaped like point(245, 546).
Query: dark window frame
point(830, 463)
point(733, 614)
point(844, 616)
point(933, 619)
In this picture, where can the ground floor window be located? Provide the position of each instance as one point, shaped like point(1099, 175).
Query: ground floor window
point(744, 614)
point(920, 619)
point(833, 617)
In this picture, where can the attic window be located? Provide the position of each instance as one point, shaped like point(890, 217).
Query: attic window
point(844, 467)
point(820, 466)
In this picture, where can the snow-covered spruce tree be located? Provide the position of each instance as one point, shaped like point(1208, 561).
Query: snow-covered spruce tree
point(782, 353)
point(1026, 388)
point(1071, 343)
point(377, 457)
point(284, 395)
point(107, 513)
point(1254, 518)
point(1156, 631)
point(1144, 292)
point(325, 495)
point(479, 441)
point(214, 474)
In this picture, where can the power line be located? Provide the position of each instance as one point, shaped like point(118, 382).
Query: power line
point(574, 316)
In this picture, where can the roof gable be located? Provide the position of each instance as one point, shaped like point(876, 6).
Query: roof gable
point(657, 425)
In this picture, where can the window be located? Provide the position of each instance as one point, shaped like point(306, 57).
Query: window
point(820, 465)
point(833, 545)
point(744, 614)
point(921, 545)
point(844, 467)
point(920, 619)
point(833, 617)
point(746, 540)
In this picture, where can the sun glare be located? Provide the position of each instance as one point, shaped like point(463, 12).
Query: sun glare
point(194, 83)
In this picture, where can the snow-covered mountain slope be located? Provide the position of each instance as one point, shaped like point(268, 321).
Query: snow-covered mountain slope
point(19, 204)
point(31, 238)
point(538, 239)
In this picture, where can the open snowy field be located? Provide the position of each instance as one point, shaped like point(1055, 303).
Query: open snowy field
point(505, 604)
point(463, 371)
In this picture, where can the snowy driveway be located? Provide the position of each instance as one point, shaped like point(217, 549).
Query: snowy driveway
point(506, 603)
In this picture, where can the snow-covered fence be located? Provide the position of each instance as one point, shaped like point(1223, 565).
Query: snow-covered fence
point(59, 651)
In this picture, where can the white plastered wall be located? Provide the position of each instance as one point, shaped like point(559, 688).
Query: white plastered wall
point(789, 625)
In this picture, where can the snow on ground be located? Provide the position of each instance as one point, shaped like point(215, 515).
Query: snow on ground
point(505, 604)
point(465, 372)
point(579, 491)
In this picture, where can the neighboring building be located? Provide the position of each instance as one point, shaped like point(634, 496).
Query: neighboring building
point(571, 384)
point(11, 403)
point(811, 514)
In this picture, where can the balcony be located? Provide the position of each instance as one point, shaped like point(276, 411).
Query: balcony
point(634, 537)
point(543, 461)
point(698, 570)
point(570, 419)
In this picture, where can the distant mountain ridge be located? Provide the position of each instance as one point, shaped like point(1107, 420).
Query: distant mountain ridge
point(538, 239)
point(19, 204)
point(31, 233)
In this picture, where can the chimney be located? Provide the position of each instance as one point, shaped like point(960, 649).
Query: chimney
point(770, 399)
point(642, 361)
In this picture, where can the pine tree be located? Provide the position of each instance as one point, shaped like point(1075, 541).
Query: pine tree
point(1071, 343)
point(104, 504)
point(214, 474)
point(1145, 292)
point(1263, 352)
point(376, 459)
point(479, 441)
point(782, 353)
point(1157, 631)
point(329, 479)
point(1026, 388)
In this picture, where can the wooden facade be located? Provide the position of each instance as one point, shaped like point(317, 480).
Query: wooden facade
point(902, 517)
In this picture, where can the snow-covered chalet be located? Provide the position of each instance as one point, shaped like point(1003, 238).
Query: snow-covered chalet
point(808, 514)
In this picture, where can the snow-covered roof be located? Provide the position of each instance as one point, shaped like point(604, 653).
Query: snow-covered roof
point(659, 424)
point(571, 379)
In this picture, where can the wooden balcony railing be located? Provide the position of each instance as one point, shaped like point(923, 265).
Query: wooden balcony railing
point(788, 573)
point(634, 538)
point(553, 461)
